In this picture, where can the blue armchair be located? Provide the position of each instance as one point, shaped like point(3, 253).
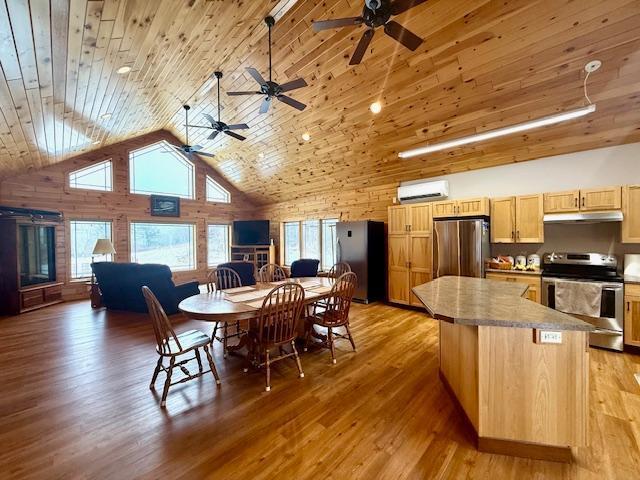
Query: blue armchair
point(121, 286)
point(305, 267)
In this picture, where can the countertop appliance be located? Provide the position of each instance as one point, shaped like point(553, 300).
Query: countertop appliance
point(362, 245)
point(599, 269)
point(460, 247)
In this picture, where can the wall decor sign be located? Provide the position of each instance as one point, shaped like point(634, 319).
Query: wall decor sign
point(165, 206)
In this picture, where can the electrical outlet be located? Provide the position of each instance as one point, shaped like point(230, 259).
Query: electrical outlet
point(549, 336)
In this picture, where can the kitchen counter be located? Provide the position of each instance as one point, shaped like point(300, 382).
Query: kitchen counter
point(480, 301)
point(535, 273)
point(519, 371)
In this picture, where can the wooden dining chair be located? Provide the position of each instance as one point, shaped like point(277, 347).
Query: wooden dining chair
point(169, 345)
point(275, 327)
point(223, 278)
point(334, 314)
point(339, 269)
point(271, 273)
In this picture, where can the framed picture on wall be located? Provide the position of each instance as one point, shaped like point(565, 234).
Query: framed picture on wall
point(165, 206)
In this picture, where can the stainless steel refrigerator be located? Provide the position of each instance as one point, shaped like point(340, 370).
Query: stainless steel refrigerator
point(460, 247)
point(362, 245)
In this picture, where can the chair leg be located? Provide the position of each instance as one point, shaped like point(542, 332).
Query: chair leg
point(215, 331)
point(199, 360)
point(224, 341)
point(297, 357)
point(212, 365)
point(167, 382)
point(331, 345)
point(353, 344)
point(156, 372)
point(307, 336)
point(267, 367)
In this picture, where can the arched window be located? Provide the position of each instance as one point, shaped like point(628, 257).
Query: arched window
point(159, 170)
point(216, 192)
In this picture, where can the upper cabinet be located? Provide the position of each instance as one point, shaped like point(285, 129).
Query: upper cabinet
point(517, 219)
point(469, 207)
point(631, 213)
point(398, 219)
point(586, 200)
point(414, 218)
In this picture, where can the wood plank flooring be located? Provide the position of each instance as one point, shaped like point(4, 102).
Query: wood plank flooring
point(75, 403)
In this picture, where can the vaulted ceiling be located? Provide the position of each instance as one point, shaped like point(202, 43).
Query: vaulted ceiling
point(484, 64)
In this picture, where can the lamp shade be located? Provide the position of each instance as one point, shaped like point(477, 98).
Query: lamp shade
point(103, 247)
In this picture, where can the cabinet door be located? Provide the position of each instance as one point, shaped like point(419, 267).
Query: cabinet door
point(608, 198)
point(398, 219)
point(529, 219)
point(420, 264)
point(503, 211)
point(472, 206)
point(562, 202)
point(398, 246)
point(631, 212)
point(533, 292)
point(421, 221)
point(632, 320)
point(446, 208)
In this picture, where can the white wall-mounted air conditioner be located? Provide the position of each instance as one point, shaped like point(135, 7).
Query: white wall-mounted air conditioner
point(424, 191)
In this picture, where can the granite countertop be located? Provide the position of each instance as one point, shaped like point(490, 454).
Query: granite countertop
point(481, 301)
point(536, 273)
point(632, 279)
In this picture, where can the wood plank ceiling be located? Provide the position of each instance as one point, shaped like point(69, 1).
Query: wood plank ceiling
point(484, 64)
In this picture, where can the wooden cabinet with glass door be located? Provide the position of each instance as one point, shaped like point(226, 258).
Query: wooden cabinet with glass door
point(632, 315)
point(631, 213)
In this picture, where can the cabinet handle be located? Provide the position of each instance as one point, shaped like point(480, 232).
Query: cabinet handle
point(583, 201)
point(628, 306)
point(513, 235)
point(576, 199)
point(517, 234)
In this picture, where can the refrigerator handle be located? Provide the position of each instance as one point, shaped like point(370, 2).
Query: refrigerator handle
point(436, 256)
point(338, 250)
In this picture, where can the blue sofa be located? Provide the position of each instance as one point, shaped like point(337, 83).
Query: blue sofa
point(121, 286)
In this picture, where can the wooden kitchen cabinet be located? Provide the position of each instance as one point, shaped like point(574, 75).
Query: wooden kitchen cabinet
point(632, 315)
point(562, 202)
point(468, 207)
point(517, 219)
point(631, 213)
point(446, 208)
point(398, 268)
point(530, 279)
point(398, 219)
point(419, 263)
point(594, 199)
point(420, 219)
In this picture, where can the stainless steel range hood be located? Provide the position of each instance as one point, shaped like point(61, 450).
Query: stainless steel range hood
point(584, 217)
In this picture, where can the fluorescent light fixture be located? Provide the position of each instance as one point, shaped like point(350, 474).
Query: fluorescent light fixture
point(375, 107)
point(500, 132)
point(96, 142)
point(105, 116)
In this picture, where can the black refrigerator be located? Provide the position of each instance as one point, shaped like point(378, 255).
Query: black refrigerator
point(362, 246)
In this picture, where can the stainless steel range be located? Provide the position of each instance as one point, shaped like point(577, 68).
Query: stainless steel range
point(589, 272)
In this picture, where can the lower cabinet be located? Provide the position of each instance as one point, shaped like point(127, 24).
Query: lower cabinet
point(533, 281)
point(409, 265)
point(632, 315)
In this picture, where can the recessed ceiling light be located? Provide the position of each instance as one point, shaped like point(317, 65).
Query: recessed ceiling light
point(306, 136)
point(375, 107)
point(105, 116)
point(124, 69)
point(261, 155)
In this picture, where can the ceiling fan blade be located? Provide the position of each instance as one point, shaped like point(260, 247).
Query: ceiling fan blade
point(200, 126)
point(336, 23)
point(238, 126)
point(196, 147)
point(293, 85)
point(401, 6)
point(209, 118)
point(234, 135)
point(235, 94)
point(266, 103)
point(256, 75)
point(402, 35)
point(290, 101)
point(206, 154)
point(213, 135)
point(361, 49)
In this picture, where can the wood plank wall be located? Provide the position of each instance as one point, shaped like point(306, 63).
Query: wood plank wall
point(48, 189)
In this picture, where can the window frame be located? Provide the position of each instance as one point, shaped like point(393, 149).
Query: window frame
point(108, 161)
point(210, 180)
point(209, 264)
point(70, 276)
point(301, 242)
point(194, 241)
point(191, 166)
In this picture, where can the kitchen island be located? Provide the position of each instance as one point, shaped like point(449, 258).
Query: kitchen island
point(518, 370)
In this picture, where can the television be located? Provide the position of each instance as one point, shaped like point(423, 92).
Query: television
point(251, 232)
point(37, 254)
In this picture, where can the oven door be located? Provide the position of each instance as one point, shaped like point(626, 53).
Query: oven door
point(609, 326)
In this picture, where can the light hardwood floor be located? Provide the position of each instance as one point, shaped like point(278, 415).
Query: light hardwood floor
point(75, 403)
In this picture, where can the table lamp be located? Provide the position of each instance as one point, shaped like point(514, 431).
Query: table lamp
point(103, 247)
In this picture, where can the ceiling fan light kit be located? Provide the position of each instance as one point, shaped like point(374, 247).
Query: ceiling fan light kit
point(510, 130)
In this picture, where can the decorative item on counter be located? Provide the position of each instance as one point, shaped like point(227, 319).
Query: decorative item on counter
point(501, 263)
point(533, 262)
point(521, 261)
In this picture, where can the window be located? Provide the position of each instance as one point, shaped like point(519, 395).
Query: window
point(171, 244)
point(217, 244)
point(94, 177)
point(84, 235)
point(311, 239)
point(160, 170)
point(216, 193)
point(291, 242)
point(329, 243)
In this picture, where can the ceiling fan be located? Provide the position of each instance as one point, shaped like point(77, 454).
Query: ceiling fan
point(376, 13)
point(270, 88)
point(187, 149)
point(219, 126)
